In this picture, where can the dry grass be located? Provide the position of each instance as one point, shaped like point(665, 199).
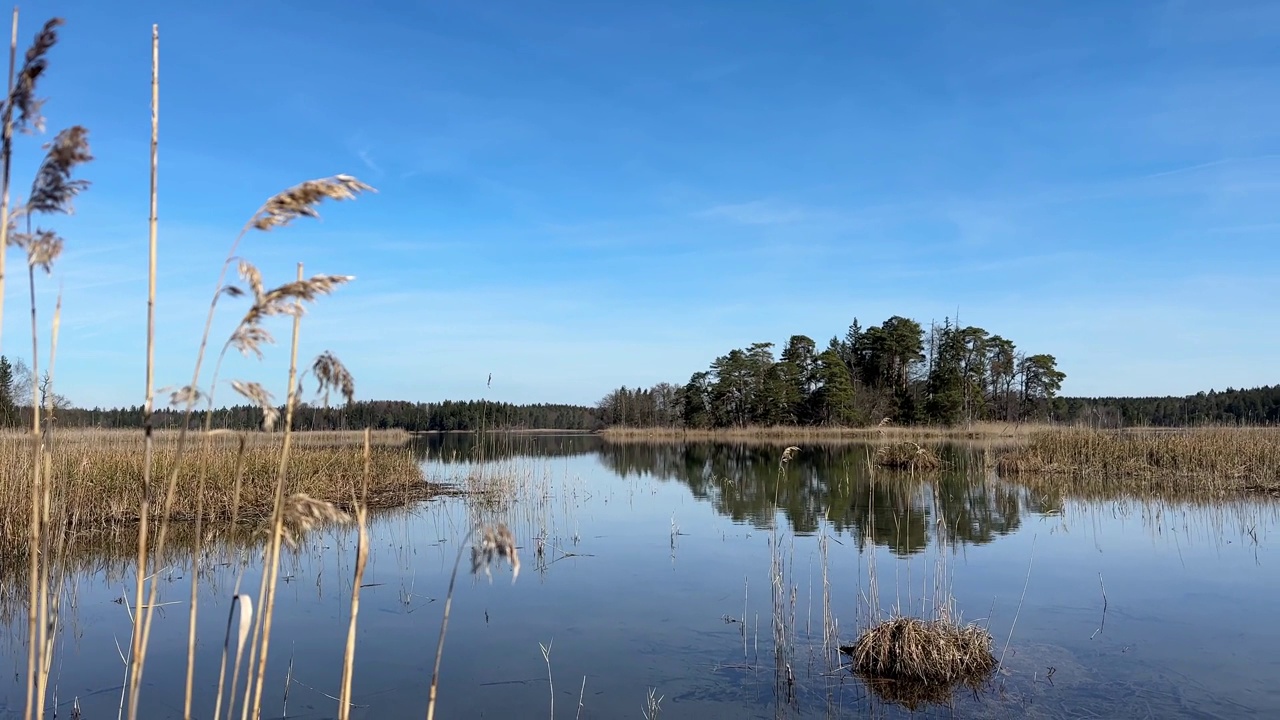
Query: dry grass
point(101, 481)
point(929, 653)
point(1212, 460)
point(906, 455)
point(316, 438)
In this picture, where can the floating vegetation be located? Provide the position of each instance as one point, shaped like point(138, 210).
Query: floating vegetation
point(906, 455)
point(916, 662)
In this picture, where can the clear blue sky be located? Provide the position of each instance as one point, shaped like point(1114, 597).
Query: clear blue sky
point(578, 195)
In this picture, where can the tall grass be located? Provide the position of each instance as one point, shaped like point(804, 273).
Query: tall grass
point(1208, 460)
point(100, 485)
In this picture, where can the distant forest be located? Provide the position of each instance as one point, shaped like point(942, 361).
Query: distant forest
point(947, 375)
point(896, 371)
point(899, 372)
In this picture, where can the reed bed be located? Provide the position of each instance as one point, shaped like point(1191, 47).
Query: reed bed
point(1211, 460)
point(323, 438)
point(101, 484)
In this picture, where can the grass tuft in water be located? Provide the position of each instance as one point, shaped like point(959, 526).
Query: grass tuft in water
point(906, 455)
point(913, 662)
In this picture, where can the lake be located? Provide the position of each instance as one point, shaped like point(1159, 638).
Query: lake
point(720, 580)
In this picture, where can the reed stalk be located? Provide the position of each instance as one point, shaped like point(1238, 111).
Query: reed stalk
point(272, 571)
point(34, 612)
point(362, 557)
point(144, 506)
point(48, 605)
point(6, 152)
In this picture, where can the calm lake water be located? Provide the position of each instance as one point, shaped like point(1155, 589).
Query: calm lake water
point(663, 567)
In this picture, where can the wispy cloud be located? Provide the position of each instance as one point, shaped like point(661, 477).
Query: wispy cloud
point(758, 212)
point(368, 161)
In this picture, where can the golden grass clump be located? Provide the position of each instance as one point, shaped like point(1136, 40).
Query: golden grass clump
point(906, 455)
point(1203, 459)
point(922, 658)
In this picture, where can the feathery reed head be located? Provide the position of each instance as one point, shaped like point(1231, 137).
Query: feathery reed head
point(185, 395)
point(788, 454)
point(331, 374)
point(250, 339)
point(285, 299)
point(495, 543)
point(53, 189)
point(23, 97)
point(260, 397)
point(301, 513)
point(300, 200)
point(42, 247)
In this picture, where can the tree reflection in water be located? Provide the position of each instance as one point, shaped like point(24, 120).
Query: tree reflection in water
point(889, 508)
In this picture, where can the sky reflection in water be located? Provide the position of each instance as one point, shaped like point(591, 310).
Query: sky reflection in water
point(656, 574)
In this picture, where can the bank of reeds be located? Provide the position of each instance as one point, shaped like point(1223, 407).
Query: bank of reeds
point(101, 483)
point(1214, 460)
point(323, 438)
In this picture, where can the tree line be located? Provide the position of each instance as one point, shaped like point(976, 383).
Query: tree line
point(474, 415)
point(949, 375)
point(469, 415)
point(896, 371)
point(1255, 406)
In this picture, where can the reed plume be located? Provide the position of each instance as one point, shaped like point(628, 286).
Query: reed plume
point(277, 211)
point(300, 200)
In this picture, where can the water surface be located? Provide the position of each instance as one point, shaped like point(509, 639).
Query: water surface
point(668, 567)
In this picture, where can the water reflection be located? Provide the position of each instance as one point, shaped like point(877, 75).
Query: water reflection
point(838, 485)
point(627, 605)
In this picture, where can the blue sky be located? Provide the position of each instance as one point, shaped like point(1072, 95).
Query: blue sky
point(578, 195)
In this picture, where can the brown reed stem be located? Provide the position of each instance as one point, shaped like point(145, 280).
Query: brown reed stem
point(137, 654)
point(222, 673)
point(272, 572)
point(6, 152)
point(34, 624)
point(195, 595)
point(44, 459)
point(362, 556)
point(444, 626)
point(349, 655)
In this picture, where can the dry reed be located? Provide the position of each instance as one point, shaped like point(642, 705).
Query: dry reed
point(102, 482)
point(1202, 459)
point(906, 455)
point(932, 652)
point(494, 543)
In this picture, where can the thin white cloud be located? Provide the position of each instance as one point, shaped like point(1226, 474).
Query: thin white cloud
point(368, 161)
point(758, 212)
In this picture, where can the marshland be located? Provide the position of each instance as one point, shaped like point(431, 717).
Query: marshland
point(716, 576)
point(913, 520)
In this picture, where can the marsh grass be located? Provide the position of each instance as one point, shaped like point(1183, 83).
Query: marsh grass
point(906, 455)
point(102, 483)
point(937, 651)
point(1207, 460)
